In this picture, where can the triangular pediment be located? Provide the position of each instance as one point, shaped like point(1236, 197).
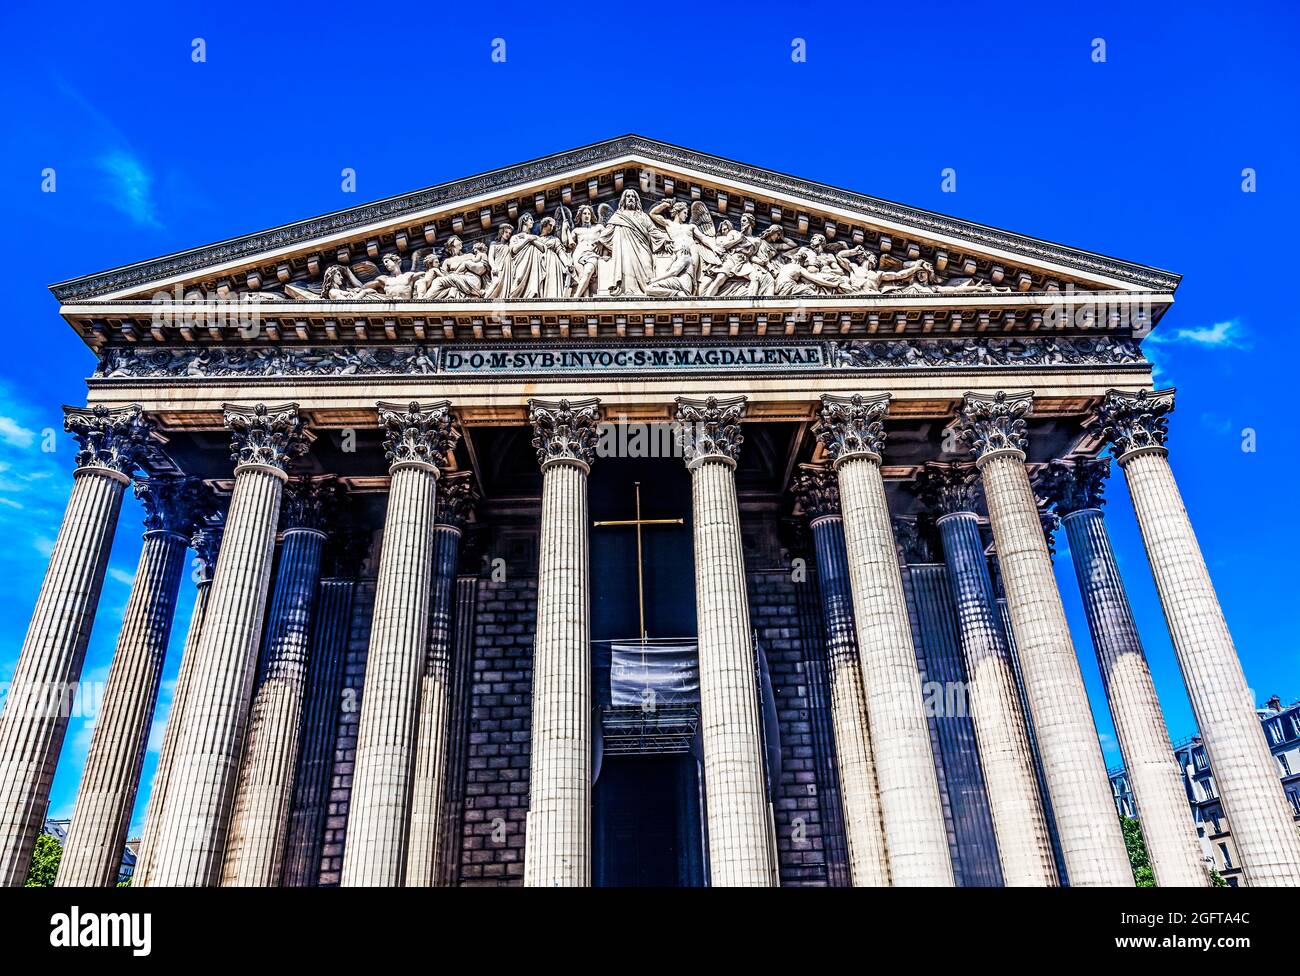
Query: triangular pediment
point(847, 244)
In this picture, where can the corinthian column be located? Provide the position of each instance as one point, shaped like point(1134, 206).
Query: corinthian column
point(1075, 489)
point(35, 718)
point(92, 853)
point(1091, 839)
point(852, 431)
point(1136, 426)
point(206, 541)
point(255, 852)
point(818, 492)
point(419, 437)
point(196, 814)
point(456, 497)
point(740, 832)
point(557, 836)
point(1024, 844)
point(325, 665)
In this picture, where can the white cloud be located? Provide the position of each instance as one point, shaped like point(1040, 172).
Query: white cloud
point(130, 187)
point(1221, 335)
point(121, 576)
point(15, 434)
point(156, 731)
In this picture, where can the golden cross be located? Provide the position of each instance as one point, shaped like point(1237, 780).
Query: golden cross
point(640, 569)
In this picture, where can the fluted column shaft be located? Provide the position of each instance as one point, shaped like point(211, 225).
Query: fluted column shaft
point(329, 639)
point(200, 791)
point(1153, 771)
point(255, 851)
point(1091, 840)
point(458, 714)
point(740, 847)
point(1024, 845)
point(426, 832)
point(900, 738)
point(146, 854)
point(557, 851)
point(35, 718)
point(863, 826)
point(375, 852)
point(92, 854)
point(1244, 769)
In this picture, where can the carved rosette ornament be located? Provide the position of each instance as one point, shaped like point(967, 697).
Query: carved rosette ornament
point(264, 436)
point(175, 505)
point(995, 424)
point(457, 497)
point(1135, 422)
point(852, 426)
point(417, 433)
point(948, 488)
point(1072, 486)
point(111, 441)
point(710, 429)
point(817, 490)
point(308, 503)
point(564, 431)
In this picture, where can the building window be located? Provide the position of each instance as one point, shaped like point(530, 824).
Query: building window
point(1275, 731)
point(1284, 763)
point(1227, 858)
point(1295, 723)
point(1199, 757)
point(1294, 797)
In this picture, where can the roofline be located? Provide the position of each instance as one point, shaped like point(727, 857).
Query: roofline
point(444, 194)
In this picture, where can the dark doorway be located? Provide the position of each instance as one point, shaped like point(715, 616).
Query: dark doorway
point(647, 823)
point(646, 808)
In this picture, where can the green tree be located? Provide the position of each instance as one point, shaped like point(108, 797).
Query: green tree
point(1137, 853)
point(1216, 879)
point(45, 862)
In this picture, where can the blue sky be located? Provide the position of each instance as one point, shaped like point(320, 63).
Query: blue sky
point(1140, 157)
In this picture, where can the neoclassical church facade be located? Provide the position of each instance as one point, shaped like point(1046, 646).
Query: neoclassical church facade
point(630, 516)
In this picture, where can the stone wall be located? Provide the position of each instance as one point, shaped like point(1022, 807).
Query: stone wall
point(784, 614)
point(345, 745)
point(790, 636)
point(496, 782)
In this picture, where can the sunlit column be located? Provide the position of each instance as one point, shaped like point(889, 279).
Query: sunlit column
point(1136, 426)
point(418, 439)
point(112, 444)
point(1024, 845)
point(259, 825)
point(735, 784)
point(1090, 835)
point(92, 853)
point(206, 541)
point(557, 838)
point(818, 492)
point(852, 431)
point(200, 791)
point(456, 496)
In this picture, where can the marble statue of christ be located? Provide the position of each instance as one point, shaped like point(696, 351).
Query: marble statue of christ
point(630, 237)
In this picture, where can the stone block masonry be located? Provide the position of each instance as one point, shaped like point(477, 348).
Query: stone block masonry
point(500, 721)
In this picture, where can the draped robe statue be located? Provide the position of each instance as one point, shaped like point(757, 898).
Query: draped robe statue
point(630, 238)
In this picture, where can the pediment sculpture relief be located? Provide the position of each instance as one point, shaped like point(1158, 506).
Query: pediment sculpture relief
point(673, 250)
